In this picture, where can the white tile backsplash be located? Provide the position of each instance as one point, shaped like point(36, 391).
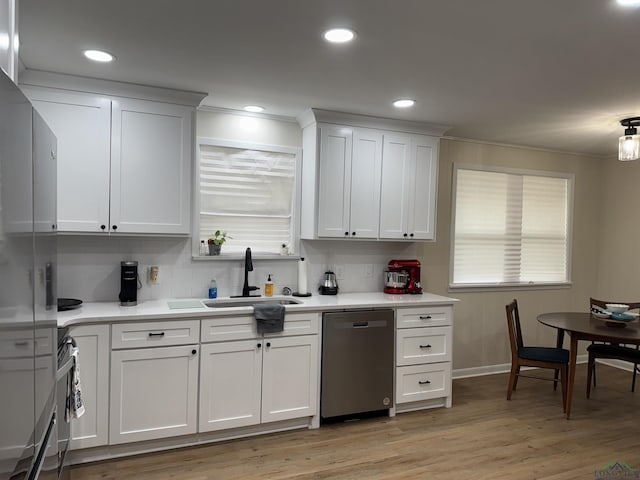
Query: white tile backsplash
point(89, 267)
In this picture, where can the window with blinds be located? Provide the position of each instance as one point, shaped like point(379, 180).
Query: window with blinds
point(510, 228)
point(248, 192)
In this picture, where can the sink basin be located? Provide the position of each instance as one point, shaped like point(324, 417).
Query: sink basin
point(247, 302)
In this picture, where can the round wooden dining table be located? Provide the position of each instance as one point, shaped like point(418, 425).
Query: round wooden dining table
point(584, 326)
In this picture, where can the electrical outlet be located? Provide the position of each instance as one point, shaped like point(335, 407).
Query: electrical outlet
point(368, 270)
point(339, 271)
point(154, 275)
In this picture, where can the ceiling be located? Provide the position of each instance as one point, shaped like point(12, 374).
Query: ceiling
point(556, 74)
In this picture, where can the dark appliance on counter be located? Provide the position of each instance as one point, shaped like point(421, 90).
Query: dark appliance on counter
point(28, 316)
point(329, 284)
point(128, 284)
point(357, 362)
point(402, 276)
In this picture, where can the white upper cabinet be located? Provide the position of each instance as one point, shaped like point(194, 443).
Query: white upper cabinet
point(82, 124)
point(124, 165)
point(409, 184)
point(349, 190)
point(368, 178)
point(151, 145)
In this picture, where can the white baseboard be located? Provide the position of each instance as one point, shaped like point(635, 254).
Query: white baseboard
point(505, 368)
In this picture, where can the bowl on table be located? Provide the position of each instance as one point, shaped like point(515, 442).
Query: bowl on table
point(617, 307)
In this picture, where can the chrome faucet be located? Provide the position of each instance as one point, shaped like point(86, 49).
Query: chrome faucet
point(248, 267)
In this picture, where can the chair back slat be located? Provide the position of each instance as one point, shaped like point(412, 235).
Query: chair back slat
point(515, 331)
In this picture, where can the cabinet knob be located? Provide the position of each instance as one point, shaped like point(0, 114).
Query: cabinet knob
point(259, 345)
point(353, 233)
point(115, 227)
point(346, 233)
point(103, 227)
point(411, 235)
point(405, 235)
point(268, 344)
point(53, 226)
point(194, 351)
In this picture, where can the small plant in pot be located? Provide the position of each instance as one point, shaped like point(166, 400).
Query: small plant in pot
point(215, 242)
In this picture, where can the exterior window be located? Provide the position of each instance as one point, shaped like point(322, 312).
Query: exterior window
point(247, 191)
point(510, 228)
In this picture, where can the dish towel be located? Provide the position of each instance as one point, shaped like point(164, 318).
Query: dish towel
point(269, 317)
point(74, 405)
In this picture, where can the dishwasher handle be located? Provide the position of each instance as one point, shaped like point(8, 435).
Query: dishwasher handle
point(360, 324)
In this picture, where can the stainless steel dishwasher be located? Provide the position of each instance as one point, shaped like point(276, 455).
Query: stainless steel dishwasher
point(357, 362)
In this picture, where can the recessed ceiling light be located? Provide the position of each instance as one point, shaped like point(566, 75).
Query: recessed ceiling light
point(404, 103)
point(98, 56)
point(629, 3)
point(339, 35)
point(254, 108)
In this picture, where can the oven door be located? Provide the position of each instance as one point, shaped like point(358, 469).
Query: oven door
point(64, 373)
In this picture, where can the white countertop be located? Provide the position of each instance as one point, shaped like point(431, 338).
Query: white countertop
point(101, 312)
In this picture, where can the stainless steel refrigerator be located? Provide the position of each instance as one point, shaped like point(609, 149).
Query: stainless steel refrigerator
point(28, 303)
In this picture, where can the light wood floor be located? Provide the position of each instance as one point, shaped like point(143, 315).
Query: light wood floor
point(483, 436)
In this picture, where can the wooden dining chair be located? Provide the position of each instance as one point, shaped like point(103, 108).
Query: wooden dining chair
point(540, 357)
point(611, 351)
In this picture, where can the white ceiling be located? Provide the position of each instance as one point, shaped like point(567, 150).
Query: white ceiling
point(556, 74)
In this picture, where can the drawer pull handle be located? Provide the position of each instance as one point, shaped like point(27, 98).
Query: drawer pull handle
point(22, 343)
point(425, 346)
point(426, 382)
point(159, 334)
point(425, 317)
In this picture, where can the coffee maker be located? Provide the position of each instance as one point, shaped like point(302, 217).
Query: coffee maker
point(402, 276)
point(128, 283)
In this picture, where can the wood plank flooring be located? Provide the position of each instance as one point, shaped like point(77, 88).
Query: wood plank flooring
point(483, 436)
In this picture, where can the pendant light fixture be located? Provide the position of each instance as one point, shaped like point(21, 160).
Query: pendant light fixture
point(629, 143)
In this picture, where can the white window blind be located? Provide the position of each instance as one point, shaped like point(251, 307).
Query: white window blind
point(510, 228)
point(248, 193)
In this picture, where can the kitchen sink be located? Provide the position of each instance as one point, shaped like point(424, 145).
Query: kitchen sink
point(248, 302)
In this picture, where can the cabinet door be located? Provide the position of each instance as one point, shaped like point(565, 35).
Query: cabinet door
point(151, 147)
point(422, 206)
point(154, 393)
point(92, 428)
point(289, 378)
point(335, 181)
point(394, 195)
point(82, 126)
point(366, 166)
point(230, 380)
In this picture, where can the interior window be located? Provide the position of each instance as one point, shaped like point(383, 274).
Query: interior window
point(510, 227)
point(247, 191)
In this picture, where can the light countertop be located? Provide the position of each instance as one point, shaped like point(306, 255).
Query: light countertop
point(100, 312)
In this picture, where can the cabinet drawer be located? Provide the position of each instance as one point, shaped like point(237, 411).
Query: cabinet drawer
point(423, 382)
point(423, 345)
point(154, 334)
point(423, 317)
point(243, 327)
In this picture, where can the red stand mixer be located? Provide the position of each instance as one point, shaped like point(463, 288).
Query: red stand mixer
point(402, 276)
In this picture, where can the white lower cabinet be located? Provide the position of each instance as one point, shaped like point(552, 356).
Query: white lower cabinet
point(423, 357)
point(258, 380)
point(154, 393)
point(92, 428)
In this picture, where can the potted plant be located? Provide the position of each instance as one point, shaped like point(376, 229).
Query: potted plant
point(215, 242)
